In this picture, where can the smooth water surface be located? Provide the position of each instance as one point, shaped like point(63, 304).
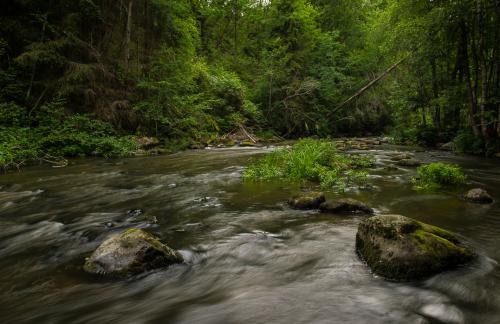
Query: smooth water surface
point(251, 259)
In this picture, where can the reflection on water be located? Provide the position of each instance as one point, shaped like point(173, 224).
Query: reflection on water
point(251, 259)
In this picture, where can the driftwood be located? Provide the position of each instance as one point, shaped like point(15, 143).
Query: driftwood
point(56, 161)
point(240, 132)
point(370, 84)
point(247, 134)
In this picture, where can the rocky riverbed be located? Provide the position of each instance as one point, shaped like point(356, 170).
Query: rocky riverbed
point(248, 256)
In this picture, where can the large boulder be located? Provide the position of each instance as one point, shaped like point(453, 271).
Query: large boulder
point(309, 200)
point(401, 249)
point(479, 196)
point(345, 206)
point(131, 252)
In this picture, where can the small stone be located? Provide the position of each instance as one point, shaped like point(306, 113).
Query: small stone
point(345, 206)
point(131, 252)
point(135, 212)
point(310, 200)
point(479, 196)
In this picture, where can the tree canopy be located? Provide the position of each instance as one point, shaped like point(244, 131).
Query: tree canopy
point(188, 69)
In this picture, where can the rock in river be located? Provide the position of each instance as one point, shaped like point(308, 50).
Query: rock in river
point(131, 252)
point(309, 200)
point(409, 163)
point(345, 206)
point(400, 248)
point(479, 196)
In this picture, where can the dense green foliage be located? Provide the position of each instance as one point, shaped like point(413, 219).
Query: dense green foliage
point(436, 175)
point(55, 135)
point(189, 70)
point(311, 161)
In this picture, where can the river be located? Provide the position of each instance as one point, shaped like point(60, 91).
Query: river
point(250, 258)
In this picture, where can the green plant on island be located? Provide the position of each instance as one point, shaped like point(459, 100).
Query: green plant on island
point(311, 160)
point(438, 175)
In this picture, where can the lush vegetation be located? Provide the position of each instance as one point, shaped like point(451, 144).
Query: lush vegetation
point(437, 175)
point(54, 136)
point(313, 161)
point(190, 70)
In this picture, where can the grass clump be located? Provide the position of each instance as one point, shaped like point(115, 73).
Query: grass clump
point(438, 175)
point(311, 160)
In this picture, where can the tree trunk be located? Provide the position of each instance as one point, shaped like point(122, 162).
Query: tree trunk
point(470, 90)
point(128, 33)
point(435, 92)
point(483, 101)
point(370, 84)
point(33, 70)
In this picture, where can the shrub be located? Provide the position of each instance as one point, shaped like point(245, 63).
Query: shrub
point(437, 175)
point(421, 135)
point(310, 160)
point(18, 146)
point(77, 135)
point(466, 142)
point(12, 115)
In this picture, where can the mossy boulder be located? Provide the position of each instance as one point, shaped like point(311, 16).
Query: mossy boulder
point(131, 252)
point(345, 206)
point(479, 196)
point(403, 249)
point(409, 163)
point(309, 200)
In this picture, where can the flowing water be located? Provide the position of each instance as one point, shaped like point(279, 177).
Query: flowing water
point(250, 258)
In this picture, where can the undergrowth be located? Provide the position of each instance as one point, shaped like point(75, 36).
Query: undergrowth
point(50, 134)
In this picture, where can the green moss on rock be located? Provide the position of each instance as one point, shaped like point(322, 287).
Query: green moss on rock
point(131, 252)
point(400, 248)
point(345, 206)
point(309, 200)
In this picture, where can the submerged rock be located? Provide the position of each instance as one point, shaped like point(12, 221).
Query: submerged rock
point(402, 156)
point(345, 206)
point(409, 163)
point(309, 200)
point(400, 248)
point(131, 252)
point(479, 196)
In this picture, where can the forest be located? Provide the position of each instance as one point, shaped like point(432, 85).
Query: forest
point(85, 77)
